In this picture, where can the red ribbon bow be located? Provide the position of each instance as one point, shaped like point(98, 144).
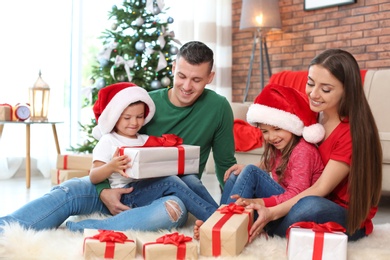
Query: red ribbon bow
point(174, 238)
point(110, 236)
point(166, 140)
point(232, 208)
point(319, 230)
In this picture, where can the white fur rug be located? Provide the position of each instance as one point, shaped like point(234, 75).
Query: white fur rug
point(18, 243)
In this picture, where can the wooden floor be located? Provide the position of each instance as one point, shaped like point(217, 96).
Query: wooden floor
point(13, 194)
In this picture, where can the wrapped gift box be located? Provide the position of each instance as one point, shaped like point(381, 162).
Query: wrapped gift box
point(5, 112)
point(305, 243)
point(104, 244)
point(169, 246)
point(150, 162)
point(74, 161)
point(59, 176)
point(226, 232)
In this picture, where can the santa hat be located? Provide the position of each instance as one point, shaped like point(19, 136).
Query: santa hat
point(111, 102)
point(288, 109)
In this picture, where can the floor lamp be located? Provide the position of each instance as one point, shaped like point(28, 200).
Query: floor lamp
point(260, 16)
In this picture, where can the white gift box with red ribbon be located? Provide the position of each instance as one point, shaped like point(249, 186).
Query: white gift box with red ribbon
point(307, 240)
point(151, 162)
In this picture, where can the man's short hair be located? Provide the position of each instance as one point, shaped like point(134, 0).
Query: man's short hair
point(195, 53)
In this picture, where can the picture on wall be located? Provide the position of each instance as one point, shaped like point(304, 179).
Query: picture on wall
point(315, 4)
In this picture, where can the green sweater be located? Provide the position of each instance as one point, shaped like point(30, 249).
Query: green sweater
point(208, 123)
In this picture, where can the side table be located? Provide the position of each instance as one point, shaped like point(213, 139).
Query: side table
point(28, 123)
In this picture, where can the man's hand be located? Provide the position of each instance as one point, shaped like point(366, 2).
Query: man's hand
point(235, 169)
point(112, 199)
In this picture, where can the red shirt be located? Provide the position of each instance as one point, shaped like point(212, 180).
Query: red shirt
point(338, 147)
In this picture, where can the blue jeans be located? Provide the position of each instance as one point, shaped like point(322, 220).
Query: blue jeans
point(79, 197)
point(313, 209)
point(252, 182)
point(197, 201)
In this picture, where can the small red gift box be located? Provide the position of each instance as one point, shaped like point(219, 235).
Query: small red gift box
point(5, 112)
point(226, 231)
point(108, 244)
point(308, 240)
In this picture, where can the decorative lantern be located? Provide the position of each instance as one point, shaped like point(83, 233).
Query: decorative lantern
point(39, 100)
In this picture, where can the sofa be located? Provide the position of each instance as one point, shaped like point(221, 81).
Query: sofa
point(377, 90)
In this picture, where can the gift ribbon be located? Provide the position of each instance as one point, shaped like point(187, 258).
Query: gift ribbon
point(179, 240)
point(10, 110)
point(65, 162)
point(110, 237)
point(319, 232)
point(228, 212)
point(119, 60)
point(58, 176)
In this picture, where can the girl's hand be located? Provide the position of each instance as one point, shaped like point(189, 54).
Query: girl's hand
point(236, 169)
point(119, 163)
point(246, 202)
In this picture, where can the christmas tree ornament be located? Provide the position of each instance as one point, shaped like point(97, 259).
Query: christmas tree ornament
point(140, 45)
point(139, 21)
point(155, 84)
point(103, 62)
point(121, 78)
point(156, 10)
point(173, 50)
point(165, 81)
point(114, 26)
point(119, 61)
point(170, 20)
point(91, 80)
point(100, 83)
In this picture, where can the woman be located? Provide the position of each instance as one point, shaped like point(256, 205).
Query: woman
point(349, 189)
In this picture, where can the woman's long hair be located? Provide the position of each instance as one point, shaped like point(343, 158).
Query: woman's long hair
point(365, 176)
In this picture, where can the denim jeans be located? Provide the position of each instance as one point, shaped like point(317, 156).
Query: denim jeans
point(148, 191)
point(252, 182)
point(79, 197)
point(313, 209)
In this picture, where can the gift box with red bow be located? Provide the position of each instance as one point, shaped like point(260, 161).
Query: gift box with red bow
point(150, 162)
point(308, 240)
point(59, 176)
point(108, 244)
point(74, 161)
point(169, 246)
point(5, 112)
point(226, 231)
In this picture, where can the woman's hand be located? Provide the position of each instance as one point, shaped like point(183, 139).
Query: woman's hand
point(264, 217)
point(245, 201)
point(236, 169)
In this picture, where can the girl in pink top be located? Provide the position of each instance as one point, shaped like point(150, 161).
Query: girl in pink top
point(349, 189)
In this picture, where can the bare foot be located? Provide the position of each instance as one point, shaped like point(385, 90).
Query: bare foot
point(198, 223)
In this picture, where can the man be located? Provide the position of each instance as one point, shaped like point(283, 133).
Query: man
point(198, 115)
point(189, 110)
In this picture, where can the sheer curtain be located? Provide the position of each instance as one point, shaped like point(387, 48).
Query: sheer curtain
point(208, 21)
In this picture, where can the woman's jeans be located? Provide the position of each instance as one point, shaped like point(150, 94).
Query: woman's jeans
point(252, 182)
point(200, 204)
point(79, 197)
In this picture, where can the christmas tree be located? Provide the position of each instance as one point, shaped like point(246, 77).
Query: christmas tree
point(138, 48)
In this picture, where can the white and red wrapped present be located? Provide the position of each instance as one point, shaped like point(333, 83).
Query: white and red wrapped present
point(6, 112)
point(108, 244)
point(74, 161)
point(308, 240)
point(169, 246)
point(226, 231)
point(58, 176)
point(151, 162)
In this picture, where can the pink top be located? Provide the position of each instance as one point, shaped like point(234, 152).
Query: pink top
point(304, 168)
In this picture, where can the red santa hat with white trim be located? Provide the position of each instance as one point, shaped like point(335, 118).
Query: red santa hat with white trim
point(288, 109)
point(111, 102)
